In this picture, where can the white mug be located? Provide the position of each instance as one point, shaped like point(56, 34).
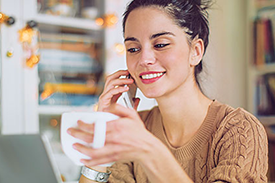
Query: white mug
point(70, 119)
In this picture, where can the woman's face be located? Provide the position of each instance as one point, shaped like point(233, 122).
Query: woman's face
point(159, 57)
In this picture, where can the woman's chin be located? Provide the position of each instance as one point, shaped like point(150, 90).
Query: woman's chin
point(151, 95)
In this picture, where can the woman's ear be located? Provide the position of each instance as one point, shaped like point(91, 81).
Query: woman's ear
point(197, 52)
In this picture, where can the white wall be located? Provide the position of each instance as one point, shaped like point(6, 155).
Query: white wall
point(226, 55)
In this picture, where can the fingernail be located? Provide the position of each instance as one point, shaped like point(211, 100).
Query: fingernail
point(69, 131)
point(74, 146)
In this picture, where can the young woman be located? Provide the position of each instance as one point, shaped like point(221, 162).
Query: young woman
point(187, 137)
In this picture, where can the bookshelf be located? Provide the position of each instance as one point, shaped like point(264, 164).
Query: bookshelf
point(70, 71)
point(261, 69)
point(261, 57)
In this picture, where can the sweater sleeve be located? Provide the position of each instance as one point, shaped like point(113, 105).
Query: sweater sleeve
point(240, 150)
point(122, 172)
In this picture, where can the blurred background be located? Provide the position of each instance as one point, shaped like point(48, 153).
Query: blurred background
point(55, 55)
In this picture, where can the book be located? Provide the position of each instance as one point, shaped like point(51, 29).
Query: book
point(259, 41)
point(73, 88)
point(268, 41)
point(264, 36)
point(68, 61)
point(94, 37)
point(266, 94)
point(68, 99)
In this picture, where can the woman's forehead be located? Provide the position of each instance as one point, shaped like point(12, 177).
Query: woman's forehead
point(148, 20)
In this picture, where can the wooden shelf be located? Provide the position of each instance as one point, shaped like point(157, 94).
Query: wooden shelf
point(267, 120)
point(70, 22)
point(264, 3)
point(264, 69)
point(58, 110)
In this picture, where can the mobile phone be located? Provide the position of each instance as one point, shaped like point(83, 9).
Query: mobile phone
point(128, 97)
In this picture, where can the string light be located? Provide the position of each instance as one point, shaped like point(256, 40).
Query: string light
point(32, 61)
point(28, 37)
point(3, 18)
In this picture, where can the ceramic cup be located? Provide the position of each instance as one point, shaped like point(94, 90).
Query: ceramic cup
point(70, 119)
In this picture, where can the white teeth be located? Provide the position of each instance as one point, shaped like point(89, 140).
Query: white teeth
point(151, 76)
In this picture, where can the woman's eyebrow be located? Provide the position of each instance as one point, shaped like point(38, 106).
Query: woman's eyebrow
point(151, 37)
point(130, 39)
point(161, 34)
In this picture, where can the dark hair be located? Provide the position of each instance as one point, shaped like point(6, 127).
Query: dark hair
point(191, 15)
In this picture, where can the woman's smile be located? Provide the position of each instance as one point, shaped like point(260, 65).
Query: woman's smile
point(150, 77)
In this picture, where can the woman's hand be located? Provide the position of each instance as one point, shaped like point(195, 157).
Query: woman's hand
point(126, 139)
point(113, 89)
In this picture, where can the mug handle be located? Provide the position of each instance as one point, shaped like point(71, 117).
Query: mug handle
point(99, 134)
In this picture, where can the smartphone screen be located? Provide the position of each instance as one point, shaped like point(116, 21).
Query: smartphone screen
point(129, 96)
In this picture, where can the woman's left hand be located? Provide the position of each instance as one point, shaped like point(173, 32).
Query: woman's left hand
point(126, 138)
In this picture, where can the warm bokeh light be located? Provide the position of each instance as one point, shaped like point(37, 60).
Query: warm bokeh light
point(53, 122)
point(9, 53)
point(32, 61)
point(26, 34)
point(2, 18)
point(110, 20)
point(107, 20)
point(46, 93)
point(99, 21)
point(120, 49)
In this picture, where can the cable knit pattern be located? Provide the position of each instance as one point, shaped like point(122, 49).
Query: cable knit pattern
point(230, 146)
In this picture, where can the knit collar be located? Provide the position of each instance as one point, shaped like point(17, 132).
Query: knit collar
point(197, 141)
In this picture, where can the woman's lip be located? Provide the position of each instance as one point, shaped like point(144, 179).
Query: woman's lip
point(151, 80)
point(150, 72)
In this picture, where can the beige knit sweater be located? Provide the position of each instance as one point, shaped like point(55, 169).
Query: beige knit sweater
point(230, 146)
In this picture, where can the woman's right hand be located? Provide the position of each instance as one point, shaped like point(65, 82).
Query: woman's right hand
point(113, 89)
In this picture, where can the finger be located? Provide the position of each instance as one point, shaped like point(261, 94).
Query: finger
point(86, 127)
point(116, 75)
point(107, 97)
point(120, 110)
point(79, 134)
point(92, 152)
point(99, 156)
point(136, 103)
point(118, 82)
point(84, 149)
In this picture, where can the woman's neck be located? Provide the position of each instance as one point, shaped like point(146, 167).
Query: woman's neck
point(183, 112)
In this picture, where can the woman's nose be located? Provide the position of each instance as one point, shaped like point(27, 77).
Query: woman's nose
point(147, 57)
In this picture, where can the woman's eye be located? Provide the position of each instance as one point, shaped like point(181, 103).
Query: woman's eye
point(133, 50)
point(160, 45)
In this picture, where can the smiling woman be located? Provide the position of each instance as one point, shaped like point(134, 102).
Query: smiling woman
point(188, 137)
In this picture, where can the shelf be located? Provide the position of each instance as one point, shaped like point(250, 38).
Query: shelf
point(263, 69)
point(267, 120)
point(264, 3)
point(58, 110)
point(61, 21)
